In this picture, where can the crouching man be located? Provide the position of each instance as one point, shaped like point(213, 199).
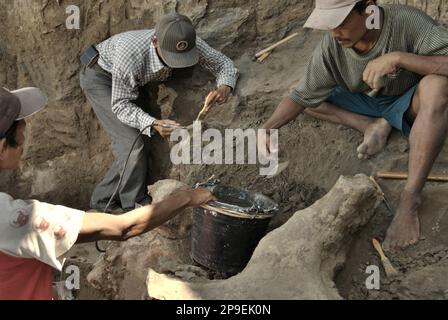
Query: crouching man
point(376, 80)
point(111, 78)
point(34, 235)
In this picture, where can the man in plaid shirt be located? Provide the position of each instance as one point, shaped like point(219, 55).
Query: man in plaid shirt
point(112, 81)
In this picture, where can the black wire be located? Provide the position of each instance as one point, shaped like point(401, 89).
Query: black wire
point(121, 179)
point(97, 246)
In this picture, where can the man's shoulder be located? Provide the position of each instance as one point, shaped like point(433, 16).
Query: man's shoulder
point(6, 201)
point(134, 41)
point(128, 36)
point(131, 48)
point(327, 46)
point(414, 15)
point(135, 34)
point(14, 215)
point(4, 196)
point(12, 208)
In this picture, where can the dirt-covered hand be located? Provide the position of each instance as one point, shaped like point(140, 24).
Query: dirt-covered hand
point(378, 68)
point(199, 197)
point(220, 95)
point(264, 144)
point(165, 127)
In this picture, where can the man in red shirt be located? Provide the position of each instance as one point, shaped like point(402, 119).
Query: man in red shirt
point(35, 235)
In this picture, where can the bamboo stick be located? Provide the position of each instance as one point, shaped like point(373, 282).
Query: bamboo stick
point(264, 56)
point(275, 45)
point(404, 176)
point(383, 195)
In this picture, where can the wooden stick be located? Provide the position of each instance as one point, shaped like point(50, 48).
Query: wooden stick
point(404, 176)
point(383, 195)
point(380, 190)
point(265, 56)
point(275, 45)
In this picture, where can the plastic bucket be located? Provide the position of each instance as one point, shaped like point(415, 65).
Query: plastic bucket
point(226, 232)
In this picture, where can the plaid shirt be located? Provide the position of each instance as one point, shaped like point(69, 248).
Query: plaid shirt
point(132, 60)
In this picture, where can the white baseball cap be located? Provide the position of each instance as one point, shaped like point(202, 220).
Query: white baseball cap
point(330, 14)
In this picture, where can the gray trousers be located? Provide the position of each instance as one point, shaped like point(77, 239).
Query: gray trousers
point(96, 84)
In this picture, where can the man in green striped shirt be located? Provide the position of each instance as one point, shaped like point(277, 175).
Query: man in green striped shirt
point(376, 79)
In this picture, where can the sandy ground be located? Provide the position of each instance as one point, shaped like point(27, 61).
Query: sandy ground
point(319, 153)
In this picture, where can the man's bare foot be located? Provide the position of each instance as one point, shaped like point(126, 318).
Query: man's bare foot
point(375, 138)
point(405, 228)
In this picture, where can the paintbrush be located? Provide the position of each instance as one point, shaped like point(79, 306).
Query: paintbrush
point(204, 110)
point(391, 272)
point(206, 106)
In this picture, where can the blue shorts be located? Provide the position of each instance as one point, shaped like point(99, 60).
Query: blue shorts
point(393, 109)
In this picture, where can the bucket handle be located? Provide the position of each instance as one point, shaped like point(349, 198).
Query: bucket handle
point(236, 214)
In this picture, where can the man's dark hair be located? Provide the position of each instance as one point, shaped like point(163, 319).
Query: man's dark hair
point(361, 6)
point(11, 134)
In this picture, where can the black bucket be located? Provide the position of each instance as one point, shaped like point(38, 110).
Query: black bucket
point(226, 232)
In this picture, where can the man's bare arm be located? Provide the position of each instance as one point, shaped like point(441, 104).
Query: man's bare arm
point(391, 62)
point(423, 65)
point(100, 226)
point(286, 111)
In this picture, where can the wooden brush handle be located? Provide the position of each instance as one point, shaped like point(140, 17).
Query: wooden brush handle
point(206, 107)
point(264, 56)
point(378, 248)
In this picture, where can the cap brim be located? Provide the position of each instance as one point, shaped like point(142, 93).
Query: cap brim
point(328, 19)
point(32, 100)
point(181, 60)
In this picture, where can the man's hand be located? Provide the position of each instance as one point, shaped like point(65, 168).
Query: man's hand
point(377, 69)
point(286, 111)
point(199, 197)
point(165, 127)
point(220, 95)
point(264, 144)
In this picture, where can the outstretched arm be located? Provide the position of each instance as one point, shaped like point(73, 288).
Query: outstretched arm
point(286, 111)
point(100, 226)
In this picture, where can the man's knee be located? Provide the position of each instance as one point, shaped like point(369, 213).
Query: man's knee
point(433, 93)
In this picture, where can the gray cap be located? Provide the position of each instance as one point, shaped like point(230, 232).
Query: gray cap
point(177, 40)
point(19, 104)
